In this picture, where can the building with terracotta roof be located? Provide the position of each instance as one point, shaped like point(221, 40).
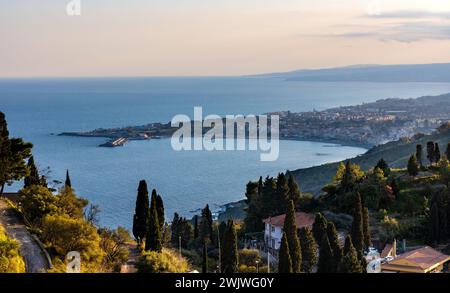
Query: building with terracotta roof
point(422, 260)
point(274, 227)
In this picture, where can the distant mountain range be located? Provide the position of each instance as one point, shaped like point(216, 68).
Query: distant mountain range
point(439, 72)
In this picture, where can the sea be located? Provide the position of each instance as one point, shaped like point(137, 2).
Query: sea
point(39, 109)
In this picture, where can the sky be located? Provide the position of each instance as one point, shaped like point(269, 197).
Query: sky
point(217, 37)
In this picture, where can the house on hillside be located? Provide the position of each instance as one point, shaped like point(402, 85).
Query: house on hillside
point(273, 230)
point(422, 260)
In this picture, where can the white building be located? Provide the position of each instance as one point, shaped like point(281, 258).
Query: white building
point(274, 228)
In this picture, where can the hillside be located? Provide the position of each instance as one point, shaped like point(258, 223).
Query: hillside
point(373, 73)
point(395, 153)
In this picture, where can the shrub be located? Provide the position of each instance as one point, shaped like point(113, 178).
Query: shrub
point(166, 261)
point(249, 257)
point(63, 234)
point(10, 259)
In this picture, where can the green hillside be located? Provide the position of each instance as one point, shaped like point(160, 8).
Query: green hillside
point(395, 153)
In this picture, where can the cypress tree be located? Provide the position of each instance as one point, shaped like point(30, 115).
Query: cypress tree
point(350, 263)
point(33, 177)
point(447, 151)
point(334, 244)
point(366, 228)
point(253, 219)
point(357, 225)
point(413, 168)
point(282, 195)
point(229, 254)
point(325, 264)
point(419, 152)
point(154, 237)
point(195, 226)
point(293, 241)
point(294, 190)
point(206, 225)
point(160, 210)
point(319, 227)
point(284, 257)
point(68, 183)
point(348, 179)
point(205, 258)
point(435, 223)
point(430, 152)
point(309, 249)
point(141, 214)
point(437, 153)
point(175, 229)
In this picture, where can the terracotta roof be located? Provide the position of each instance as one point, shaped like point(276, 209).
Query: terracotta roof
point(420, 260)
point(301, 220)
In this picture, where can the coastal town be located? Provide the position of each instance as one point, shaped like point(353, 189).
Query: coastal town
point(367, 125)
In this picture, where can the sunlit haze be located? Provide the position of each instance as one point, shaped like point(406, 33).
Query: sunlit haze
point(219, 37)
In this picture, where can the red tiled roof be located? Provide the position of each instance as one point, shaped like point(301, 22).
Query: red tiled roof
point(301, 220)
point(419, 260)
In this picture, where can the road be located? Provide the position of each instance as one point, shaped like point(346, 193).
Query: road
point(31, 252)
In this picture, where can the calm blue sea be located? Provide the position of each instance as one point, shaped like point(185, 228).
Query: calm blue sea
point(36, 109)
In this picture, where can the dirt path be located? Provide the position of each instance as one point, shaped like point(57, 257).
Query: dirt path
point(34, 257)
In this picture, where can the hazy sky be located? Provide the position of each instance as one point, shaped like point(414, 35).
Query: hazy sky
point(217, 37)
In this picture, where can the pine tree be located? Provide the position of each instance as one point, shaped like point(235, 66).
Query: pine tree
point(325, 264)
point(290, 229)
point(294, 190)
point(437, 153)
point(366, 228)
point(350, 263)
point(33, 177)
point(430, 152)
point(284, 257)
point(205, 258)
point(435, 223)
point(13, 153)
point(160, 211)
point(357, 224)
point(68, 183)
point(229, 253)
point(309, 249)
point(141, 214)
point(413, 168)
point(419, 152)
point(206, 225)
point(319, 227)
point(154, 236)
point(334, 244)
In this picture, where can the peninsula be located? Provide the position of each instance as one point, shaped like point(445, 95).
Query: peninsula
point(366, 125)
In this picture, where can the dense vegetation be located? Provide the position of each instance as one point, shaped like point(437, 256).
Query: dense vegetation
point(10, 259)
